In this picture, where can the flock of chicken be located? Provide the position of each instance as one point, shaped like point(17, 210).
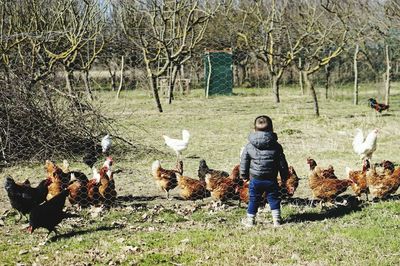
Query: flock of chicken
point(218, 184)
point(45, 203)
point(380, 180)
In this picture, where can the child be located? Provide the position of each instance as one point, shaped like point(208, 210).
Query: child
point(261, 160)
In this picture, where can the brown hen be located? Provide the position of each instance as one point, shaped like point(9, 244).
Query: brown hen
point(190, 188)
point(321, 172)
point(107, 187)
point(204, 169)
point(359, 179)
point(326, 189)
point(243, 192)
point(166, 179)
point(223, 188)
point(60, 180)
point(292, 182)
point(383, 185)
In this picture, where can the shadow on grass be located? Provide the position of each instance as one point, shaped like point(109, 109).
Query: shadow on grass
point(131, 198)
point(386, 114)
point(192, 157)
point(350, 204)
point(355, 115)
point(82, 232)
point(387, 198)
point(299, 202)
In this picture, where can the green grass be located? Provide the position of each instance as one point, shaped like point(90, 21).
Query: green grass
point(146, 229)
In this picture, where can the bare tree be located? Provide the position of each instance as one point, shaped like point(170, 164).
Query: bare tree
point(392, 23)
point(166, 33)
point(272, 37)
point(385, 19)
point(36, 118)
point(326, 34)
point(83, 23)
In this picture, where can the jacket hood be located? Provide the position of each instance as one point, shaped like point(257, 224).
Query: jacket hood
point(263, 140)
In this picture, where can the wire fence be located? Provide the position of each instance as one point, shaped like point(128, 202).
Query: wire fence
point(75, 128)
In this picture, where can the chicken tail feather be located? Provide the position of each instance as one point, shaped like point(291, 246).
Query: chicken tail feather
point(358, 141)
point(185, 135)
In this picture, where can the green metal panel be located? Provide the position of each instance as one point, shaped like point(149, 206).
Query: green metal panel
point(220, 79)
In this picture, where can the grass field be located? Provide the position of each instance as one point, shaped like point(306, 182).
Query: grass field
point(146, 229)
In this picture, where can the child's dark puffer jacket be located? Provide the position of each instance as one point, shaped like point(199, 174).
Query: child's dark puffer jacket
point(263, 157)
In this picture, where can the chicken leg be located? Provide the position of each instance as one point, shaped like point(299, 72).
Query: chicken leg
point(178, 156)
point(166, 193)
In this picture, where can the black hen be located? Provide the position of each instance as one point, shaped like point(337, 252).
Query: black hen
point(379, 107)
point(49, 214)
point(94, 151)
point(23, 197)
point(204, 169)
point(92, 154)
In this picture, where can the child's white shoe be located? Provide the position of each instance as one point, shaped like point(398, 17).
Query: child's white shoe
point(276, 217)
point(277, 223)
point(249, 220)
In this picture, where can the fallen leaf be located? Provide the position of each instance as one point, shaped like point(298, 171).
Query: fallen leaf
point(131, 249)
point(22, 252)
point(120, 240)
point(186, 240)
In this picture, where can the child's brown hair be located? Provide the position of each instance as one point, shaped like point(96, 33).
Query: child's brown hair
point(263, 123)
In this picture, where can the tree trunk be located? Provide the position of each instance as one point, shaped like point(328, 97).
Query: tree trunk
point(236, 75)
point(355, 94)
point(69, 76)
point(275, 87)
point(245, 75)
point(153, 86)
point(301, 77)
point(310, 86)
point(46, 94)
point(171, 86)
point(291, 77)
point(86, 81)
point(113, 77)
point(121, 77)
point(7, 76)
point(387, 81)
point(327, 77)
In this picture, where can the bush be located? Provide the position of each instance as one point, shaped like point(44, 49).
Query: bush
point(41, 122)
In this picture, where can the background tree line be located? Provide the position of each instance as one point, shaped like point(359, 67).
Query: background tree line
point(55, 53)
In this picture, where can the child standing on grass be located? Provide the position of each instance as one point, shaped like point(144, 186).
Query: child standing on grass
point(261, 160)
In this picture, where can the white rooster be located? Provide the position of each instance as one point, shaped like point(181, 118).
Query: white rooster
point(96, 174)
point(178, 145)
point(108, 163)
point(365, 148)
point(106, 144)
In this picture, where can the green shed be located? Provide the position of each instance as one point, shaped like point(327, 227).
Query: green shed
point(218, 72)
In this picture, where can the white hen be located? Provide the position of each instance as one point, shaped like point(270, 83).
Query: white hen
point(366, 147)
point(108, 163)
point(96, 174)
point(178, 145)
point(106, 143)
